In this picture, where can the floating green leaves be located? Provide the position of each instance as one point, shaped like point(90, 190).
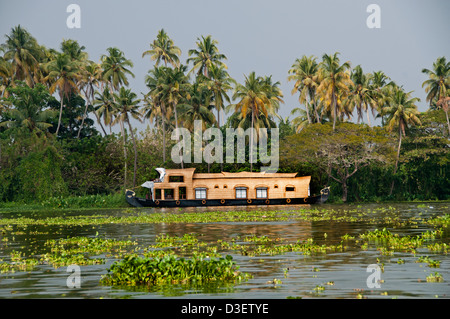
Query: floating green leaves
point(134, 270)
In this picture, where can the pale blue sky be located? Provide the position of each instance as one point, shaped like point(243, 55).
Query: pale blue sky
point(256, 35)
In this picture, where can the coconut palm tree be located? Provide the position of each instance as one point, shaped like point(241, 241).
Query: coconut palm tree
point(334, 81)
point(6, 77)
point(23, 51)
point(305, 74)
point(219, 84)
point(157, 106)
point(173, 88)
point(63, 73)
point(437, 86)
point(360, 95)
point(163, 49)
point(205, 56)
point(252, 98)
point(90, 79)
point(127, 105)
point(104, 106)
point(197, 107)
point(401, 112)
point(115, 68)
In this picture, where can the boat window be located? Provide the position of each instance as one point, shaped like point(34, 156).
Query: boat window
point(176, 179)
point(276, 186)
point(217, 186)
point(158, 193)
point(168, 193)
point(225, 186)
point(241, 192)
point(290, 189)
point(200, 193)
point(261, 192)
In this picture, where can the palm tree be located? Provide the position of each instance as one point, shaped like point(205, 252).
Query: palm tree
point(163, 49)
point(63, 73)
point(253, 99)
point(197, 107)
point(6, 77)
point(438, 85)
point(104, 106)
point(401, 112)
point(305, 74)
point(126, 106)
point(219, 84)
point(115, 68)
point(360, 95)
point(22, 49)
point(90, 79)
point(157, 106)
point(173, 88)
point(205, 56)
point(334, 82)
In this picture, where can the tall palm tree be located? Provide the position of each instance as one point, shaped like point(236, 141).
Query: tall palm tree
point(90, 79)
point(437, 86)
point(360, 95)
point(174, 88)
point(115, 68)
point(6, 77)
point(253, 99)
point(197, 107)
point(104, 106)
point(305, 74)
point(23, 51)
point(63, 72)
point(157, 106)
point(164, 49)
point(401, 112)
point(205, 56)
point(219, 83)
point(334, 81)
point(127, 105)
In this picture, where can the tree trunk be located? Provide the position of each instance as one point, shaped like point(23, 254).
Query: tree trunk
point(82, 121)
point(176, 127)
point(135, 152)
point(448, 123)
point(164, 138)
point(60, 116)
point(251, 143)
point(124, 155)
point(344, 190)
point(398, 157)
point(334, 102)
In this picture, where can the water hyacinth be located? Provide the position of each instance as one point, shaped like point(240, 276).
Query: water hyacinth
point(135, 270)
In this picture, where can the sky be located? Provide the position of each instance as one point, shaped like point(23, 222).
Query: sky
point(264, 36)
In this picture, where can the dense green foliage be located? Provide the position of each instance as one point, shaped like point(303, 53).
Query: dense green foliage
point(133, 270)
point(52, 153)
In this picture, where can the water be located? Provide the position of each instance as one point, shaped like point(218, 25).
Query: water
point(335, 274)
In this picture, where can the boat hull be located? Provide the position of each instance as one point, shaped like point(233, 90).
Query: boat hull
point(142, 202)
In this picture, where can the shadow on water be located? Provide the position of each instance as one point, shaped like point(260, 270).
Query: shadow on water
point(340, 273)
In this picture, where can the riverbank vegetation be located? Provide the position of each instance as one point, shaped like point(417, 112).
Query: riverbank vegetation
point(57, 109)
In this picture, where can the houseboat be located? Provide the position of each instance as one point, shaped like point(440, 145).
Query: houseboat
point(185, 188)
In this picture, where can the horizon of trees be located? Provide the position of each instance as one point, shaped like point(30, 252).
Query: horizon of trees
point(47, 95)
